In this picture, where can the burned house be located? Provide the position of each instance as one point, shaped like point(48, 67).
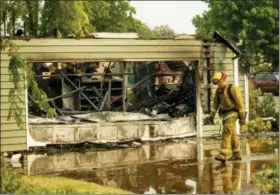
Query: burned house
point(118, 88)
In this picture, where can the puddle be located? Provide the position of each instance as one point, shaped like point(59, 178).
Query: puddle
point(180, 168)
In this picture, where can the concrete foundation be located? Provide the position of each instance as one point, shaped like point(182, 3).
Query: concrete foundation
point(42, 134)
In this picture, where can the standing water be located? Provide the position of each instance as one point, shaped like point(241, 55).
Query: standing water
point(182, 167)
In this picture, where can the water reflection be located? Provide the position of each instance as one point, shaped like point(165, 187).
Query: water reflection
point(177, 168)
point(230, 176)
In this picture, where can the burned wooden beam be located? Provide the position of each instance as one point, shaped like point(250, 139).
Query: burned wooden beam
point(104, 100)
point(109, 74)
point(125, 82)
point(132, 88)
point(68, 94)
point(85, 74)
point(57, 109)
point(97, 93)
point(73, 112)
point(82, 93)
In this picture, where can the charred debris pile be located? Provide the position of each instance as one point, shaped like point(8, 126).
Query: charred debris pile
point(157, 90)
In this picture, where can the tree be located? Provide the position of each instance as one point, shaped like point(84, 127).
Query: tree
point(42, 17)
point(252, 23)
point(165, 31)
point(11, 12)
point(116, 16)
point(67, 16)
point(3, 17)
point(32, 17)
point(109, 16)
point(143, 30)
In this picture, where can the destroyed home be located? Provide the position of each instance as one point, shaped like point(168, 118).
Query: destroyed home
point(116, 87)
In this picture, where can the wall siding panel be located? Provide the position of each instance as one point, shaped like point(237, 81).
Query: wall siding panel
point(12, 137)
point(7, 127)
point(13, 147)
point(13, 133)
point(222, 61)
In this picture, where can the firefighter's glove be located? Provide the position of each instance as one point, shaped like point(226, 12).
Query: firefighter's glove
point(242, 121)
point(242, 118)
point(211, 119)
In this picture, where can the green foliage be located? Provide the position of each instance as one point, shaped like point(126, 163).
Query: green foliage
point(143, 30)
point(110, 16)
point(11, 184)
point(263, 68)
point(116, 16)
point(267, 106)
point(253, 100)
point(256, 126)
point(38, 94)
point(16, 66)
point(267, 181)
point(9, 181)
point(40, 17)
point(261, 106)
point(68, 17)
point(33, 10)
point(262, 143)
point(14, 10)
point(254, 24)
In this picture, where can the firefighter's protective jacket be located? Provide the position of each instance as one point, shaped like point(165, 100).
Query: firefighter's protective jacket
point(226, 106)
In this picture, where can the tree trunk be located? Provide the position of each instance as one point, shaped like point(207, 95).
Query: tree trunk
point(13, 21)
point(33, 13)
point(24, 28)
point(4, 17)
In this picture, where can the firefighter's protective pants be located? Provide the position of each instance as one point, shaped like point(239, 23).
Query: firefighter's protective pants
point(230, 140)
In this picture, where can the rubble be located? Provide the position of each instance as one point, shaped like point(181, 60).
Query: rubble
point(98, 91)
point(136, 144)
point(112, 116)
point(97, 117)
point(41, 120)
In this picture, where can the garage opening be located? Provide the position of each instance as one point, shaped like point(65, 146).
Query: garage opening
point(150, 87)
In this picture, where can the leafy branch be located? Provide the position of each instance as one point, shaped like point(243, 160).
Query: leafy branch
point(17, 70)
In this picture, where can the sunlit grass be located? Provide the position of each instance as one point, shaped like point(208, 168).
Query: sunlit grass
point(54, 183)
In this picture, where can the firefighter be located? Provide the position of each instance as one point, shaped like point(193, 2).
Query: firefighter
point(228, 100)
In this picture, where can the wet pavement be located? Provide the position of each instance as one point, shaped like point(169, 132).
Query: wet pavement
point(181, 166)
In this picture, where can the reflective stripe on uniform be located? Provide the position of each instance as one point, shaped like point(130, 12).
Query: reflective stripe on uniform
point(232, 114)
point(213, 110)
point(225, 152)
point(241, 110)
point(236, 150)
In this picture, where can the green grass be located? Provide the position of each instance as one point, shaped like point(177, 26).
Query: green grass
point(53, 184)
point(13, 183)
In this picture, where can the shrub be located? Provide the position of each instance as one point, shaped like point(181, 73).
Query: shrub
point(9, 181)
point(267, 107)
point(11, 184)
point(267, 181)
point(260, 108)
point(253, 100)
point(256, 126)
